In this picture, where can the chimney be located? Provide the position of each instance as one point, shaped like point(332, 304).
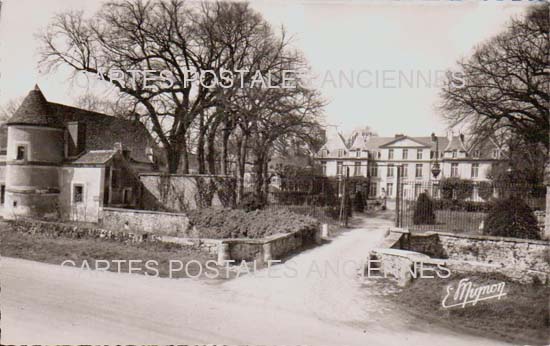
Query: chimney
point(117, 146)
point(399, 135)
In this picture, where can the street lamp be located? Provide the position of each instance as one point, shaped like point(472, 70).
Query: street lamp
point(436, 169)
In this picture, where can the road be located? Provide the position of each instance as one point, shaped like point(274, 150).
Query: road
point(313, 299)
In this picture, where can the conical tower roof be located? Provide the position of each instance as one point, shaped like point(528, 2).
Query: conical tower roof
point(35, 110)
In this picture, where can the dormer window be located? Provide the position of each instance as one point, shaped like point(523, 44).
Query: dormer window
point(455, 153)
point(340, 152)
point(358, 153)
point(496, 154)
point(475, 154)
point(21, 153)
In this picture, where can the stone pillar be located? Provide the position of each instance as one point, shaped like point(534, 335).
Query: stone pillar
point(267, 252)
point(547, 183)
point(223, 253)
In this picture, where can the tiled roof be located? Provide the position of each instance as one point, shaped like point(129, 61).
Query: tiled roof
point(35, 110)
point(455, 144)
point(375, 142)
point(102, 131)
point(94, 157)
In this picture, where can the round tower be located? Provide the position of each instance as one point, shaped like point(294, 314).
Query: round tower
point(35, 152)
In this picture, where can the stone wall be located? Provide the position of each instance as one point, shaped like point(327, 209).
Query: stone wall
point(276, 247)
point(519, 259)
point(144, 221)
point(77, 231)
point(177, 193)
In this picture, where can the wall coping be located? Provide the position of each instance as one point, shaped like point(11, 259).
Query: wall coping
point(142, 211)
point(472, 236)
point(259, 241)
point(489, 237)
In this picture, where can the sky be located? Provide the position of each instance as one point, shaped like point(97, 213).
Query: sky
point(377, 63)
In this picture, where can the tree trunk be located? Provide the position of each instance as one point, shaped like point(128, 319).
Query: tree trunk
point(211, 143)
point(173, 158)
point(185, 155)
point(241, 166)
point(225, 150)
point(200, 145)
point(267, 179)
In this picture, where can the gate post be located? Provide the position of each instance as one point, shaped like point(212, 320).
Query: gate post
point(398, 198)
point(547, 183)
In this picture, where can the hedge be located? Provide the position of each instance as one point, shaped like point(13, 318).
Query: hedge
point(236, 223)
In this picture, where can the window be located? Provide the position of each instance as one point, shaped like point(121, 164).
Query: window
point(417, 189)
point(373, 189)
point(454, 169)
point(339, 165)
point(324, 167)
point(115, 178)
point(455, 154)
point(340, 152)
point(476, 153)
point(419, 154)
point(390, 170)
point(2, 194)
point(405, 154)
point(418, 170)
point(432, 154)
point(390, 154)
point(21, 153)
point(374, 170)
point(405, 171)
point(389, 189)
point(496, 154)
point(475, 170)
point(358, 153)
point(379, 154)
point(127, 196)
point(357, 169)
point(78, 193)
point(435, 191)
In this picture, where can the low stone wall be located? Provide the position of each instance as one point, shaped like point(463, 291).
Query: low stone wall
point(59, 229)
point(519, 259)
point(144, 221)
point(209, 246)
point(272, 248)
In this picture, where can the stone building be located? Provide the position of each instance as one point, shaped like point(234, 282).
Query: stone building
point(379, 157)
point(62, 162)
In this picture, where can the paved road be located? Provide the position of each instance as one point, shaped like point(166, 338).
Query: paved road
point(313, 299)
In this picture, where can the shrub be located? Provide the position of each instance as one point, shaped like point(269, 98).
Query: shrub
point(485, 190)
point(359, 202)
point(455, 188)
point(511, 217)
point(333, 212)
point(456, 205)
point(235, 223)
point(251, 202)
point(424, 210)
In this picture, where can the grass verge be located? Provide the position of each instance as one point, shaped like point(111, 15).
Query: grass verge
point(40, 248)
point(522, 316)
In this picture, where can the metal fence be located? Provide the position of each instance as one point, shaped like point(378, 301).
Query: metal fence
point(458, 206)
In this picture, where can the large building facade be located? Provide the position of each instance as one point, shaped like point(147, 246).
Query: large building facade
point(61, 162)
point(379, 158)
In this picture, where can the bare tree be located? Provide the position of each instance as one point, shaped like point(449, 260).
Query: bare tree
point(9, 109)
point(506, 89)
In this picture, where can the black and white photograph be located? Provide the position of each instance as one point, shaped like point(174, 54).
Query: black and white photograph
point(275, 172)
